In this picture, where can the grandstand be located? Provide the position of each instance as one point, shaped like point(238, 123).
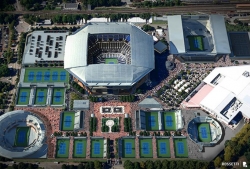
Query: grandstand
point(22, 135)
point(204, 131)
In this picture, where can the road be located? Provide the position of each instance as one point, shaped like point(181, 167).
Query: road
point(223, 9)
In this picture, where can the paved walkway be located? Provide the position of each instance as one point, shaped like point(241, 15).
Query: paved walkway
point(137, 150)
point(171, 145)
point(71, 147)
point(154, 147)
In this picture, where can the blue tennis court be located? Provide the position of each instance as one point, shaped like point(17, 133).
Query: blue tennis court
point(67, 121)
point(145, 148)
point(196, 43)
point(31, 76)
point(163, 148)
point(21, 137)
point(180, 148)
point(40, 96)
point(151, 121)
point(47, 76)
point(58, 97)
point(203, 132)
point(62, 148)
point(39, 76)
point(54, 76)
point(79, 148)
point(128, 148)
point(169, 121)
point(23, 96)
point(96, 148)
point(62, 76)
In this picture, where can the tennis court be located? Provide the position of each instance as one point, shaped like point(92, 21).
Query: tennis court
point(111, 61)
point(34, 75)
point(146, 149)
point(62, 148)
point(204, 132)
point(80, 146)
point(23, 96)
point(58, 96)
point(68, 121)
point(163, 148)
point(196, 43)
point(41, 96)
point(169, 121)
point(128, 148)
point(97, 148)
point(22, 137)
point(180, 147)
point(152, 121)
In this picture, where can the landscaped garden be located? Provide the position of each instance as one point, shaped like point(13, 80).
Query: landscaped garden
point(110, 122)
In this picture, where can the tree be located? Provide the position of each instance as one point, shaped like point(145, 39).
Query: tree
point(128, 165)
point(21, 165)
point(4, 70)
point(14, 166)
point(217, 161)
point(64, 166)
point(80, 166)
point(97, 164)
point(149, 164)
point(157, 164)
point(172, 165)
point(137, 165)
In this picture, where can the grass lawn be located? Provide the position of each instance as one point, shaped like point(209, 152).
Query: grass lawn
point(196, 43)
point(163, 148)
point(128, 148)
point(68, 121)
point(111, 61)
point(23, 96)
point(169, 121)
point(180, 148)
point(80, 146)
point(146, 149)
point(58, 96)
point(62, 148)
point(49, 75)
point(152, 123)
point(41, 96)
point(22, 137)
point(204, 132)
point(97, 148)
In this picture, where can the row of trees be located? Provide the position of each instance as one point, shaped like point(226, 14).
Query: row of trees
point(96, 3)
point(240, 26)
point(129, 98)
point(149, 4)
point(31, 4)
point(128, 124)
point(7, 5)
point(20, 165)
point(92, 125)
point(108, 148)
point(88, 165)
point(168, 164)
point(4, 70)
point(236, 147)
point(21, 46)
point(94, 98)
point(77, 87)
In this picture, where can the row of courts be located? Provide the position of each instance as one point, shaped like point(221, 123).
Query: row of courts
point(40, 96)
point(127, 148)
point(49, 75)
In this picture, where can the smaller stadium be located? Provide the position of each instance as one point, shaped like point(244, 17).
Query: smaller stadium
point(204, 131)
point(22, 135)
point(71, 120)
point(158, 120)
point(180, 147)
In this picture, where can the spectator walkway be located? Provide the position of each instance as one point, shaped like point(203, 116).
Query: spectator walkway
point(171, 143)
point(154, 146)
point(71, 147)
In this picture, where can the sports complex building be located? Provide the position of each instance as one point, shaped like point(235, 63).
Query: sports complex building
point(109, 56)
point(225, 94)
point(22, 135)
point(197, 38)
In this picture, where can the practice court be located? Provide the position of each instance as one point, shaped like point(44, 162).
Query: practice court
point(180, 146)
point(169, 121)
point(68, 121)
point(22, 137)
point(146, 150)
point(38, 75)
point(62, 148)
point(23, 96)
point(41, 96)
point(97, 148)
point(204, 132)
point(163, 148)
point(58, 96)
point(152, 121)
point(80, 146)
point(128, 148)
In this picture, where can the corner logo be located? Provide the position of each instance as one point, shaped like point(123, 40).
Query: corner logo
point(244, 164)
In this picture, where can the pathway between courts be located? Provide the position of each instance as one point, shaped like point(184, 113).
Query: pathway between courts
point(71, 147)
point(154, 147)
point(137, 151)
point(171, 143)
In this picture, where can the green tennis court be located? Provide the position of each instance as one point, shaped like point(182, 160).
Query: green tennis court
point(58, 96)
point(196, 42)
point(146, 149)
point(97, 148)
point(68, 121)
point(152, 121)
point(41, 96)
point(204, 132)
point(163, 148)
point(41, 75)
point(62, 148)
point(80, 146)
point(180, 148)
point(111, 61)
point(23, 96)
point(128, 145)
point(22, 137)
point(169, 121)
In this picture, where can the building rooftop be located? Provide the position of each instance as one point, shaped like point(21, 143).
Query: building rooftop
point(198, 34)
point(150, 102)
point(44, 46)
point(81, 105)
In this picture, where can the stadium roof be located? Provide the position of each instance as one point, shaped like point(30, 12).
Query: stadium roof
point(213, 25)
point(44, 46)
point(142, 56)
point(229, 83)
